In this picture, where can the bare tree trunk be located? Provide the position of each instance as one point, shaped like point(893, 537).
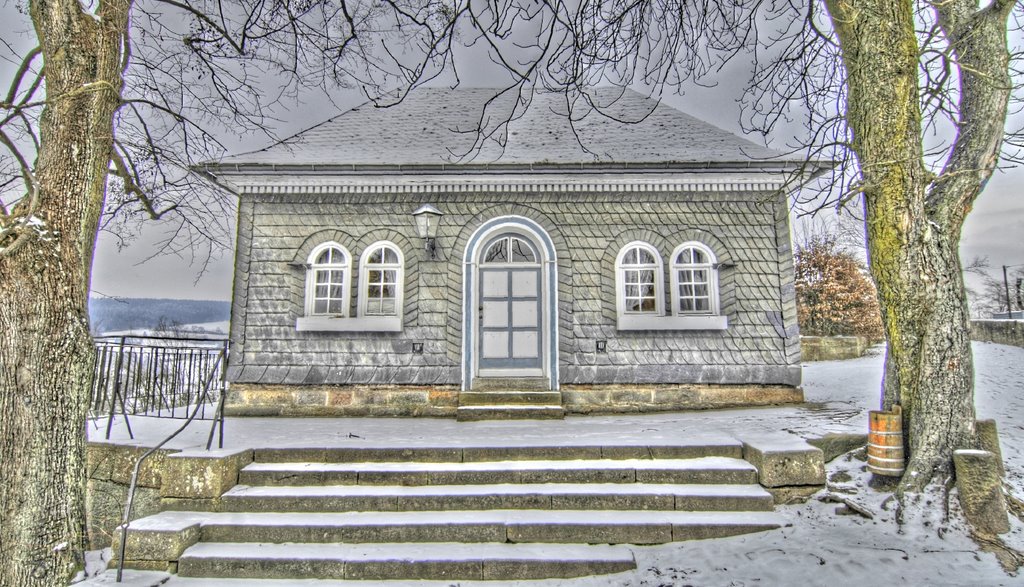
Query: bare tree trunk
point(914, 218)
point(913, 259)
point(46, 353)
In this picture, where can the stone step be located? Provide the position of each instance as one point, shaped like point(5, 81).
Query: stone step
point(490, 398)
point(558, 496)
point(511, 383)
point(494, 562)
point(705, 447)
point(151, 538)
point(704, 470)
point(508, 412)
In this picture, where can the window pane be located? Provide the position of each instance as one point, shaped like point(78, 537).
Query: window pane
point(700, 276)
point(685, 304)
point(390, 256)
point(320, 307)
point(632, 305)
point(685, 290)
point(645, 256)
point(387, 307)
point(498, 252)
point(373, 291)
point(377, 256)
point(699, 256)
point(374, 276)
point(388, 291)
point(632, 291)
point(336, 292)
point(324, 257)
point(322, 276)
point(391, 276)
point(337, 276)
point(647, 290)
point(335, 306)
point(703, 304)
point(630, 258)
point(646, 276)
point(700, 290)
point(321, 291)
point(521, 252)
point(647, 305)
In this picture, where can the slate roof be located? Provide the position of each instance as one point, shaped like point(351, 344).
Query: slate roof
point(438, 127)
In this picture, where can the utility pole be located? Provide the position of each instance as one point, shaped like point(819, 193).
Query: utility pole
point(1006, 284)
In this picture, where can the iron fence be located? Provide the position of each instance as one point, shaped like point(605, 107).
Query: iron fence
point(163, 377)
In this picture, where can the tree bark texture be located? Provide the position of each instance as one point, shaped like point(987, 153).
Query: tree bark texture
point(914, 218)
point(46, 352)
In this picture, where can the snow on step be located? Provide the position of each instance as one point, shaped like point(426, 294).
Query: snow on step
point(697, 470)
point(403, 561)
point(615, 496)
point(176, 520)
point(447, 551)
point(273, 491)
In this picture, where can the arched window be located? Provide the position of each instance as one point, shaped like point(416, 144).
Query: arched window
point(694, 280)
point(639, 280)
point(381, 280)
point(509, 248)
point(328, 275)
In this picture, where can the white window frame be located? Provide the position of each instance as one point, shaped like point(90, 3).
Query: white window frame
point(311, 269)
point(364, 279)
point(711, 267)
point(633, 320)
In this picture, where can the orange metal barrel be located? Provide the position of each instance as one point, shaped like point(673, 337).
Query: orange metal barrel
point(885, 443)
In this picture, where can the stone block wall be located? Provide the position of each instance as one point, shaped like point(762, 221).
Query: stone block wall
point(1009, 332)
point(833, 348)
point(749, 232)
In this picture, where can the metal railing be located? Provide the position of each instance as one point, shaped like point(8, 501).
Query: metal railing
point(158, 376)
point(164, 377)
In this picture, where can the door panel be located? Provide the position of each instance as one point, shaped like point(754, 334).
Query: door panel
point(510, 311)
point(495, 314)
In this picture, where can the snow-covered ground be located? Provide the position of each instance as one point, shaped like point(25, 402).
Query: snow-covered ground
point(817, 547)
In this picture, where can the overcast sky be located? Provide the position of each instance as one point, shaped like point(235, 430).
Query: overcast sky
point(994, 229)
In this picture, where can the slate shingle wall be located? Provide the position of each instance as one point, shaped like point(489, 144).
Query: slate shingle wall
point(748, 231)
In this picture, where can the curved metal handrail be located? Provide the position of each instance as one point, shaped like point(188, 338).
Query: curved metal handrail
point(138, 464)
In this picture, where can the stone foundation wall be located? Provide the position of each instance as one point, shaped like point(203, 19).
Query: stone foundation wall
point(330, 401)
point(166, 476)
point(338, 400)
point(1009, 332)
point(832, 348)
point(592, 399)
point(109, 473)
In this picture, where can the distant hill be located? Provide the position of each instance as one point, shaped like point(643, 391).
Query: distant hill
point(107, 315)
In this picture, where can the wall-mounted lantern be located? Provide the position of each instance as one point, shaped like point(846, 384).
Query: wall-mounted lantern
point(427, 218)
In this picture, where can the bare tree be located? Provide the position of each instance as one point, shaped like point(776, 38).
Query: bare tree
point(126, 94)
point(110, 111)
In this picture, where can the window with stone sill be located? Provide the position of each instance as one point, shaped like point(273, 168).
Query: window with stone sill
point(381, 280)
point(639, 285)
point(694, 280)
point(328, 290)
point(639, 280)
point(328, 272)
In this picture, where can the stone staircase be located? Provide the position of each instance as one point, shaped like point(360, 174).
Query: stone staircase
point(474, 513)
point(510, 398)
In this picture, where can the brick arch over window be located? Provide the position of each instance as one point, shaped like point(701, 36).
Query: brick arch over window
point(296, 268)
point(726, 272)
point(609, 295)
point(411, 256)
point(456, 244)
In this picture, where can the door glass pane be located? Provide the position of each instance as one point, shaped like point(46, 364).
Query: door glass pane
point(497, 252)
point(522, 252)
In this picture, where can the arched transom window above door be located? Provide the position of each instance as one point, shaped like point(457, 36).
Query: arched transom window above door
point(509, 248)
